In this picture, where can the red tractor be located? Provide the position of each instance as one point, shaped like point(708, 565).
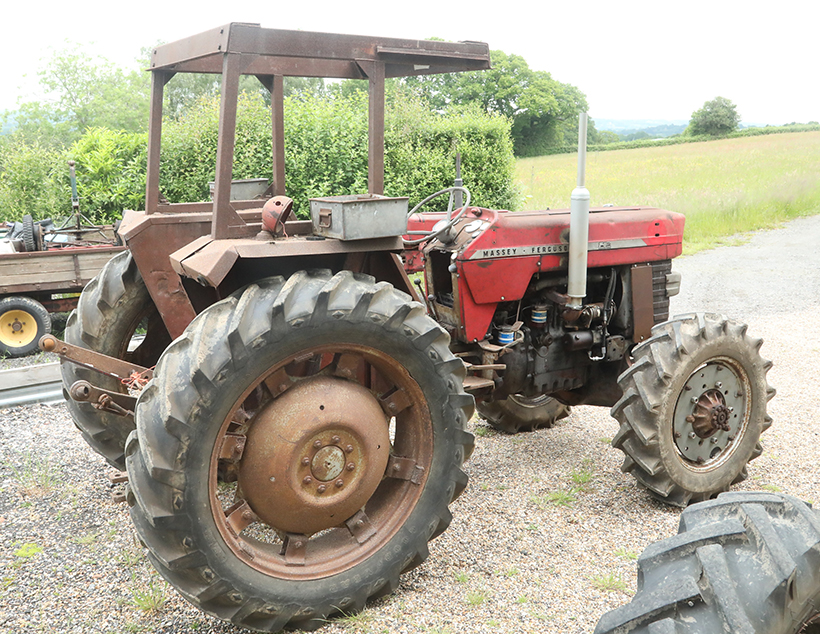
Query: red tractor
point(303, 432)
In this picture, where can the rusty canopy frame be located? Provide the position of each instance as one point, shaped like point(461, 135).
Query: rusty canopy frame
point(271, 54)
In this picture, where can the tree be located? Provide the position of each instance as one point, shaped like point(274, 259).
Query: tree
point(541, 109)
point(717, 118)
point(80, 92)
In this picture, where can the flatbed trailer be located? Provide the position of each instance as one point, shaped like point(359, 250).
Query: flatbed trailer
point(37, 283)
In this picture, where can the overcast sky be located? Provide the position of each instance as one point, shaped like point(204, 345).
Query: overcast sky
point(659, 59)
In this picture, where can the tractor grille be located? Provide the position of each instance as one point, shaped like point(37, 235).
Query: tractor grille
point(660, 300)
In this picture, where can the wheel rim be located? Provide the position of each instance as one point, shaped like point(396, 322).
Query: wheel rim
point(18, 328)
point(320, 461)
point(711, 414)
point(811, 625)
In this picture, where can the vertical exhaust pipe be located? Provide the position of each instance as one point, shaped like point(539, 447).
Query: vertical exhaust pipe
point(579, 225)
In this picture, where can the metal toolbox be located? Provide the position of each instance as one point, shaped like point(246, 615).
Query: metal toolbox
point(358, 217)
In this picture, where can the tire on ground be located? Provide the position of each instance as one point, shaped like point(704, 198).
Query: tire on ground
point(746, 563)
point(264, 553)
point(519, 413)
point(23, 321)
point(110, 310)
point(693, 408)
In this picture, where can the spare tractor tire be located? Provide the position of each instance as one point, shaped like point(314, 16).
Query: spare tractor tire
point(353, 390)
point(745, 563)
point(112, 308)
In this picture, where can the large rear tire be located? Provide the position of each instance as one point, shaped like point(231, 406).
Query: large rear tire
point(693, 408)
point(112, 307)
point(746, 563)
point(297, 448)
point(519, 413)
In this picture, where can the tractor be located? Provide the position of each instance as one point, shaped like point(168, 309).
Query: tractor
point(293, 416)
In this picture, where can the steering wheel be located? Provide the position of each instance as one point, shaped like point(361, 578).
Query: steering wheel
point(443, 225)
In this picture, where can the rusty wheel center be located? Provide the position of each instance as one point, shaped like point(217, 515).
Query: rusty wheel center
point(315, 455)
point(711, 414)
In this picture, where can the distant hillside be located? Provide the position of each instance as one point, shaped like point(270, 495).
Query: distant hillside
point(631, 129)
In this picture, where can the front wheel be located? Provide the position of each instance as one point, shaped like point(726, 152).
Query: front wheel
point(297, 448)
point(746, 562)
point(693, 408)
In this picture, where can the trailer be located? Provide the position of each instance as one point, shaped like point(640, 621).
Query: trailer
point(34, 284)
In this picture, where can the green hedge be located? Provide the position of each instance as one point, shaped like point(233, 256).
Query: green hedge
point(325, 154)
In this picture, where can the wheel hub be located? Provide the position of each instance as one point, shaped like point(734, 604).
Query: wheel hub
point(13, 330)
point(315, 455)
point(710, 413)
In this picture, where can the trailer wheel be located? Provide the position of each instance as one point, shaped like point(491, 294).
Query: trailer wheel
point(297, 448)
point(28, 234)
point(22, 322)
point(112, 308)
point(693, 408)
point(746, 562)
point(519, 413)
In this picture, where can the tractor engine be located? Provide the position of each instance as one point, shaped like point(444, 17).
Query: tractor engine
point(497, 282)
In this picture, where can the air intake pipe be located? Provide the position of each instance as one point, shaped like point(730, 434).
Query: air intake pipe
point(579, 225)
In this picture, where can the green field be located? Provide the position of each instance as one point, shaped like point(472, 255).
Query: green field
point(724, 188)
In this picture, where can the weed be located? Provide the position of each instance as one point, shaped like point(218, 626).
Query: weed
point(476, 597)
point(152, 599)
point(771, 487)
point(35, 475)
point(355, 619)
point(605, 440)
point(522, 600)
point(512, 572)
point(483, 431)
point(28, 550)
point(581, 477)
point(86, 540)
point(556, 498)
point(493, 623)
point(609, 583)
point(462, 577)
point(623, 553)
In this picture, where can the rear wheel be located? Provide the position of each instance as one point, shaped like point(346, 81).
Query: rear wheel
point(744, 563)
point(693, 408)
point(297, 448)
point(113, 308)
point(22, 322)
point(519, 413)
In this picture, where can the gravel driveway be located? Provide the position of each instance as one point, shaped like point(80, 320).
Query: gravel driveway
point(512, 560)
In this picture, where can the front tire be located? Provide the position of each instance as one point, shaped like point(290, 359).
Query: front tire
point(693, 408)
point(111, 309)
point(519, 413)
point(297, 448)
point(744, 563)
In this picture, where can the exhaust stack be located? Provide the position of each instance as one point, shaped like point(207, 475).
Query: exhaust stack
point(579, 225)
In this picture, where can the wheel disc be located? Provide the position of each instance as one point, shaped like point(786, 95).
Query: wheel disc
point(17, 328)
point(711, 414)
point(298, 482)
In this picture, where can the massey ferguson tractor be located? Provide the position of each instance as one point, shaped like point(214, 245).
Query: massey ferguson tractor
point(293, 422)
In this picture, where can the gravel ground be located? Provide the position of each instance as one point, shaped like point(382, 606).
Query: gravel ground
point(510, 561)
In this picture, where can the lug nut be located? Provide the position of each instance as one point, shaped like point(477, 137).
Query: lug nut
point(350, 466)
point(321, 488)
point(306, 461)
point(336, 440)
point(317, 444)
point(307, 480)
point(340, 483)
point(718, 384)
point(349, 449)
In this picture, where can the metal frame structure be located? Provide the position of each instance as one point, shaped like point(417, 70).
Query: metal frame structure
point(271, 54)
